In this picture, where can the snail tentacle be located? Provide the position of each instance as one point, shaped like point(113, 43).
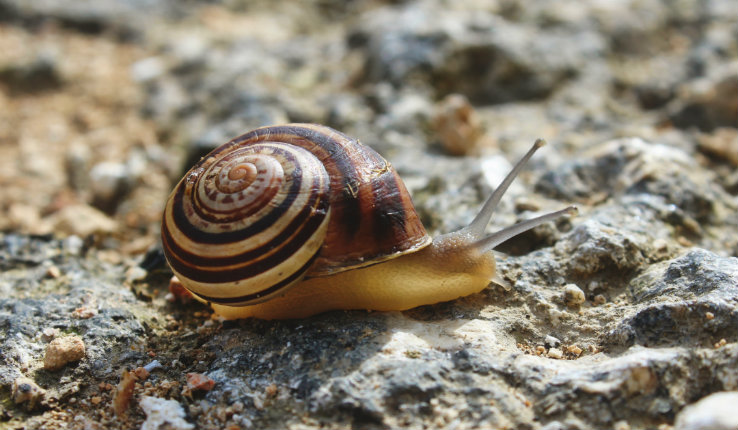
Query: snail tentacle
point(476, 228)
point(490, 242)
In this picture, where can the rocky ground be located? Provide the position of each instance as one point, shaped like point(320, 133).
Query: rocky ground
point(625, 317)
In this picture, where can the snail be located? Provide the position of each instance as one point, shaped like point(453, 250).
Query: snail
point(290, 221)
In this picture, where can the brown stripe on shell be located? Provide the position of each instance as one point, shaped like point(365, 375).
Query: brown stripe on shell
point(253, 261)
point(360, 232)
point(265, 294)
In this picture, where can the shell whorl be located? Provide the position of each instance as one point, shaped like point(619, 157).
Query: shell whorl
point(259, 213)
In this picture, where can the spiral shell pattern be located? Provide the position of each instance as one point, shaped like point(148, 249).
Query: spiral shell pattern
point(279, 203)
point(247, 222)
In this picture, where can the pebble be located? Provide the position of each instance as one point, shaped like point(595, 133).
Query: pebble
point(714, 412)
point(177, 291)
point(555, 353)
point(573, 295)
point(136, 273)
point(722, 144)
point(458, 125)
point(148, 69)
point(198, 381)
point(124, 392)
point(84, 312)
point(63, 350)
point(49, 333)
point(82, 220)
point(25, 390)
point(163, 413)
point(573, 349)
point(551, 341)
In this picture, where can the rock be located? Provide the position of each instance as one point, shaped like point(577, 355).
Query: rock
point(39, 75)
point(91, 18)
point(424, 41)
point(675, 297)
point(722, 144)
point(555, 353)
point(713, 412)
point(551, 342)
point(458, 126)
point(63, 350)
point(198, 381)
point(708, 102)
point(81, 220)
point(573, 295)
point(162, 412)
point(109, 183)
point(25, 390)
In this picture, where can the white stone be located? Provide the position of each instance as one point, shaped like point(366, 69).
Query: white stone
point(714, 412)
point(162, 411)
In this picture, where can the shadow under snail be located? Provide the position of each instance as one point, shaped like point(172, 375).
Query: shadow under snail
point(290, 221)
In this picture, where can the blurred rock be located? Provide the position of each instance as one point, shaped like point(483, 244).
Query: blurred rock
point(633, 166)
point(87, 16)
point(163, 412)
point(458, 126)
point(709, 102)
point(714, 412)
point(40, 74)
point(25, 390)
point(721, 144)
point(109, 182)
point(472, 52)
point(81, 220)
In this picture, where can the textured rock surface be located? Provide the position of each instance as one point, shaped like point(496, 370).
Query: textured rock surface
point(620, 318)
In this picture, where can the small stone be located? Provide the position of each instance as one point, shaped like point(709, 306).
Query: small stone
point(177, 291)
point(109, 181)
point(73, 244)
point(96, 400)
point(271, 390)
point(148, 69)
point(555, 353)
point(53, 272)
point(82, 220)
point(49, 333)
point(25, 390)
point(709, 316)
point(198, 381)
point(124, 392)
point(141, 373)
point(621, 425)
point(599, 299)
point(458, 125)
point(720, 343)
point(573, 295)
point(162, 413)
point(714, 412)
point(573, 349)
point(136, 273)
point(722, 144)
point(63, 350)
point(540, 350)
point(84, 312)
point(551, 341)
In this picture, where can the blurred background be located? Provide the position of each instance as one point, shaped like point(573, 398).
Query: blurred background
point(104, 103)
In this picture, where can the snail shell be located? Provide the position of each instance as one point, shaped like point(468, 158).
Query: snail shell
point(258, 214)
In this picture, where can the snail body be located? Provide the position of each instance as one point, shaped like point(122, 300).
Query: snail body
point(290, 221)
